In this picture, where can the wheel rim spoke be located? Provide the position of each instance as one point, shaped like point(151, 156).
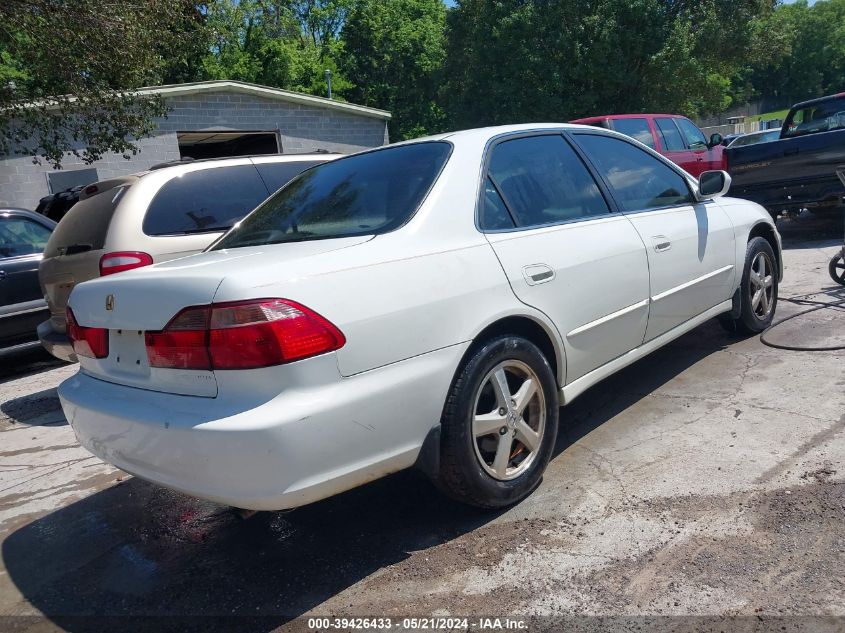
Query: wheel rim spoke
point(488, 423)
point(501, 389)
point(523, 395)
point(503, 453)
point(528, 436)
point(756, 299)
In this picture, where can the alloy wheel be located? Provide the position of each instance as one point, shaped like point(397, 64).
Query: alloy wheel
point(762, 285)
point(509, 418)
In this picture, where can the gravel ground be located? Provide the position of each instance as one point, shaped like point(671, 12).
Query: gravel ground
point(705, 481)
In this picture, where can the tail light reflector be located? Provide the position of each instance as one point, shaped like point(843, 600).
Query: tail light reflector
point(112, 263)
point(91, 342)
point(242, 335)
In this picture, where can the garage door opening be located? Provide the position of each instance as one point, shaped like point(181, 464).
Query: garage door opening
point(222, 144)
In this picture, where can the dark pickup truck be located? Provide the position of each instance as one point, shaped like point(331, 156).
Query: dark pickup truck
point(797, 171)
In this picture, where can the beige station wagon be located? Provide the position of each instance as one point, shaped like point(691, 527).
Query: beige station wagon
point(175, 210)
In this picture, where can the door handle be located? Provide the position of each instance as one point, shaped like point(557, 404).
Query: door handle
point(661, 243)
point(790, 151)
point(2, 275)
point(537, 274)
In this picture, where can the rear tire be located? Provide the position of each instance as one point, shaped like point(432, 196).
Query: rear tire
point(758, 290)
point(499, 424)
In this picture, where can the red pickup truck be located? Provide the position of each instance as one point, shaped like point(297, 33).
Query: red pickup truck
point(674, 136)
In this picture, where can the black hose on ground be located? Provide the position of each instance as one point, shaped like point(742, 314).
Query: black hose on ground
point(820, 306)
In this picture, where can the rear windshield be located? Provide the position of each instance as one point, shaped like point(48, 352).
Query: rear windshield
point(365, 194)
point(85, 225)
point(205, 200)
point(820, 117)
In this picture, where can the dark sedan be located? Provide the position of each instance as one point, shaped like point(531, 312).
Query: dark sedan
point(23, 236)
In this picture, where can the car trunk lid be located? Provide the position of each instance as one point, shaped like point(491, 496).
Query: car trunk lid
point(135, 302)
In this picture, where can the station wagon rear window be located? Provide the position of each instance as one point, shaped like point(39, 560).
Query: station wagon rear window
point(365, 194)
point(204, 201)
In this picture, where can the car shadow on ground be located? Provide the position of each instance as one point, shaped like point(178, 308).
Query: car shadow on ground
point(808, 230)
point(27, 363)
point(135, 550)
point(35, 409)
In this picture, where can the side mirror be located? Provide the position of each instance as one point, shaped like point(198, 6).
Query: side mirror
point(715, 139)
point(712, 184)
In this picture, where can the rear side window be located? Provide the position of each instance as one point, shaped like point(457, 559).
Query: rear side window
point(365, 194)
point(638, 180)
point(277, 175)
point(494, 213)
point(205, 200)
point(635, 128)
point(694, 137)
point(543, 181)
point(671, 137)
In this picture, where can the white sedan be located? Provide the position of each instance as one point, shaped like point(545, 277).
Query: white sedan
point(429, 303)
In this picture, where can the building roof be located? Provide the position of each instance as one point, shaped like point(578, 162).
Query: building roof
point(266, 92)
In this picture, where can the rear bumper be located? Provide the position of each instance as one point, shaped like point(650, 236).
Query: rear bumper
point(303, 445)
point(57, 343)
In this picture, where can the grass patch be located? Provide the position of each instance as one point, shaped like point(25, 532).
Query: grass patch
point(778, 114)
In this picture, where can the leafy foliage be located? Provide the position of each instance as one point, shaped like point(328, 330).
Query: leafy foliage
point(433, 66)
point(799, 52)
point(394, 54)
point(520, 60)
point(69, 70)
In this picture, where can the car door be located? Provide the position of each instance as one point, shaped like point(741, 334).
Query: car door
point(690, 244)
point(707, 157)
point(674, 146)
point(562, 248)
point(22, 241)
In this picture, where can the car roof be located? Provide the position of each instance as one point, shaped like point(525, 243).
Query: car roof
point(641, 115)
point(804, 104)
point(259, 158)
point(26, 213)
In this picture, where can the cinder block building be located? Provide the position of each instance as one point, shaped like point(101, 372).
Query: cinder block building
point(210, 119)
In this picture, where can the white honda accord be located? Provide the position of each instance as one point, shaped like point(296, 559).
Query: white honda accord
point(429, 303)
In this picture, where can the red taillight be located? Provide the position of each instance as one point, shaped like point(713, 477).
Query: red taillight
point(92, 342)
point(112, 263)
point(242, 335)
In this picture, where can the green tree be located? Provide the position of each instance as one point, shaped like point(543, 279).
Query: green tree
point(799, 53)
point(69, 70)
point(394, 54)
point(282, 43)
point(520, 60)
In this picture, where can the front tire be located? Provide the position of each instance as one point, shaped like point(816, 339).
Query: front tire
point(499, 424)
point(758, 289)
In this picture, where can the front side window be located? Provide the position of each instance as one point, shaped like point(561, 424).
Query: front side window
point(204, 201)
point(635, 128)
point(543, 181)
point(637, 179)
point(694, 137)
point(364, 194)
point(21, 236)
point(672, 141)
